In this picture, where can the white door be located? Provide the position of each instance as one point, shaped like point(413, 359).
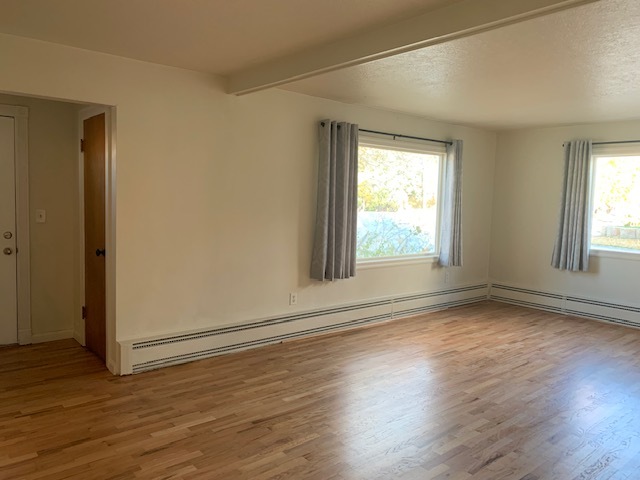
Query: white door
point(8, 288)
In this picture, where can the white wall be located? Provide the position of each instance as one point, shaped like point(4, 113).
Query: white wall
point(53, 180)
point(215, 193)
point(528, 186)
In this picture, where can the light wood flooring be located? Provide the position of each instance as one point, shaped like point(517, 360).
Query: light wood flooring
point(489, 391)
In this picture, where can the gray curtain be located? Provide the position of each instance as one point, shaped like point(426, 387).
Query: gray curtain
point(571, 250)
point(334, 246)
point(451, 224)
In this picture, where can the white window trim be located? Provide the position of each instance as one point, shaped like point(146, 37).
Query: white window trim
point(399, 261)
point(607, 252)
point(609, 150)
point(423, 147)
point(429, 148)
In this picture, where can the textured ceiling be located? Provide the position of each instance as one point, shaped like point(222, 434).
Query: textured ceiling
point(579, 65)
point(217, 36)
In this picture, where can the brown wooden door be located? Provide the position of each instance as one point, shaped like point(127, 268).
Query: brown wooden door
point(94, 234)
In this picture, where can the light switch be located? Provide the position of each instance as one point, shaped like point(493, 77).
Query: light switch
point(41, 216)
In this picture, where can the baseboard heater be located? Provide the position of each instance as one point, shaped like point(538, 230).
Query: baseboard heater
point(139, 355)
point(622, 314)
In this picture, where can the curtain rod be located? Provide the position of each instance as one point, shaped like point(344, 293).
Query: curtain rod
point(394, 135)
point(612, 143)
point(398, 135)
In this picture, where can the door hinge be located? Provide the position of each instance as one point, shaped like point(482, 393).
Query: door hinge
point(82, 144)
point(84, 312)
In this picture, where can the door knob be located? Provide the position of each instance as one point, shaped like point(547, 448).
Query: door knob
point(100, 252)
point(7, 251)
point(7, 235)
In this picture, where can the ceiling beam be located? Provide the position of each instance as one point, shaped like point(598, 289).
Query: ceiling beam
point(460, 19)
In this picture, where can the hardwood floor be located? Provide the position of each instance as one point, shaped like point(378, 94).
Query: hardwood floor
point(489, 391)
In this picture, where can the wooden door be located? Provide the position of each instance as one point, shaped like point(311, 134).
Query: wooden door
point(94, 143)
point(8, 283)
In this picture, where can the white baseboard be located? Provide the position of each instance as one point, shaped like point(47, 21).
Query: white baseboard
point(24, 337)
point(138, 355)
point(79, 337)
point(623, 314)
point(111, 366)
point(51, 336)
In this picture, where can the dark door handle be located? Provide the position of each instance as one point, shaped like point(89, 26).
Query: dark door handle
point(100, 252)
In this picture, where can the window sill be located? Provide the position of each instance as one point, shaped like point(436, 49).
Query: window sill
point(395, 261)
point(615, 253)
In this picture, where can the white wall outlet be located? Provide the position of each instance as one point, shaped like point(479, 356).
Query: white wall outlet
point(41, 216)
point(293, 298)
point(446, 276)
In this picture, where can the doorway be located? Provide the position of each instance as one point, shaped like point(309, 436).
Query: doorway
point(8, 262)
point(15, 324)
point(46, 259)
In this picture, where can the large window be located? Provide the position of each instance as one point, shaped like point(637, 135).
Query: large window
point(615, 222)
point(398, 199)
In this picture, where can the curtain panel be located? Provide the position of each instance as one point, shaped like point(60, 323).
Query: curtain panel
point(571, 249)
point(334, 246)
point(451, 223)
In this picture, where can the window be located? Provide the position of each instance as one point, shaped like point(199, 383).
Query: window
point(615, 221)
point(398, 199)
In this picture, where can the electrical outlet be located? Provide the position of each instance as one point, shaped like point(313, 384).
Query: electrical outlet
point(446, 276)
point(293, 298)
point(41, 216)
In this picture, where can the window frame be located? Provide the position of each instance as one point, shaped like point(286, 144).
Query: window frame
point(420, 147)
point(607, 151)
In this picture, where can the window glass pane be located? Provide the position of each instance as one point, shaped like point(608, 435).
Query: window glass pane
point(397, 202)
point(616, 203)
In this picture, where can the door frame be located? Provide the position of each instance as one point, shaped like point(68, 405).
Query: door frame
point(112, 351)
point(23, 257)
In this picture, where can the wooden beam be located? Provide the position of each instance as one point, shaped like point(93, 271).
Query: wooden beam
point(456, 20)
